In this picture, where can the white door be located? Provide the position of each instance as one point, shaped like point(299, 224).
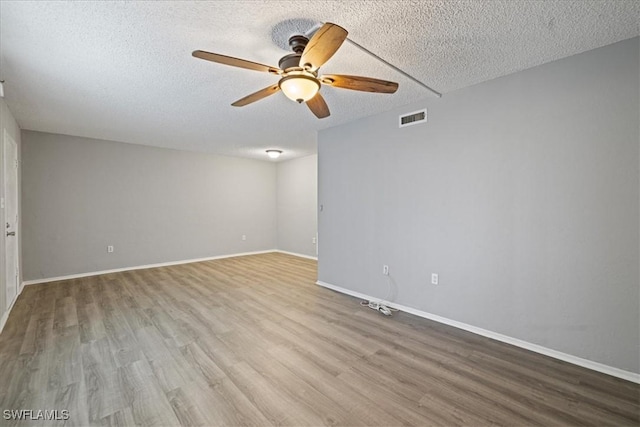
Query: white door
point(11, 217)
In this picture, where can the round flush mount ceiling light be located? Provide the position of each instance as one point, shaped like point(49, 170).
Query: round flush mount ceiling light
point(274, 154)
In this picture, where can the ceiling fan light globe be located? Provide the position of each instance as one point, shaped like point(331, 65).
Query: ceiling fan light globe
point(299, 88)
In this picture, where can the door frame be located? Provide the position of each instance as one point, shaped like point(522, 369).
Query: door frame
point(6, 140)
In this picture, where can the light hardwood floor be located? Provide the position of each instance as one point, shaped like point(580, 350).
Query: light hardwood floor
point(253, 341)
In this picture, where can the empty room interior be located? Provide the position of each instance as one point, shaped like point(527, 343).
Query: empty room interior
point(300, 213)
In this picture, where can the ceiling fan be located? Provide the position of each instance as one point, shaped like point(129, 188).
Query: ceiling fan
point(298, 71)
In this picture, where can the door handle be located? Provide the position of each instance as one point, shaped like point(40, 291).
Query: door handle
point(11, 233)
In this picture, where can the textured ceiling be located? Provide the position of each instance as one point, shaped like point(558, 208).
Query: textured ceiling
point(123, 70)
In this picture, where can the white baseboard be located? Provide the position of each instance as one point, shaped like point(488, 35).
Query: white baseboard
point(140, 267)
point(297, 254)
point(585, 363)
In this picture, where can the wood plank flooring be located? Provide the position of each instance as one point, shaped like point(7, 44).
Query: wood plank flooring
point(253, 341)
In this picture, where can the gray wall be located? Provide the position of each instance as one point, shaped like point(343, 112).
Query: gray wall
point(153, 205)
point(522, 193)
point(8, 123)
point(297, 200)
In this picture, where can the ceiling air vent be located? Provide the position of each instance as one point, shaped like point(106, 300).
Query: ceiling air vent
point(414, 118)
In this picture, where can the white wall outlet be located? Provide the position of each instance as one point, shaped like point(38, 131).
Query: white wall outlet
point(109, 249)
point(434, 279)
point(385, 270)
point(244, 237)
point(313, 240)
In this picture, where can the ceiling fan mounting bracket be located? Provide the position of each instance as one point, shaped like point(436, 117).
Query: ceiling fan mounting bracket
point(297, 43)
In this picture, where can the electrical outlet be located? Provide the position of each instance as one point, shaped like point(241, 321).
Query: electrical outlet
point(244, 237)
point(109, 249)
point(313, 240)
point(434, 279)
point(385, 270)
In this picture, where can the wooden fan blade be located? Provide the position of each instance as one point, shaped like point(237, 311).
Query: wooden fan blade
point(318, 106)
point(324, 43)
point(234, 62)
point(257, 96)
point(365, 84)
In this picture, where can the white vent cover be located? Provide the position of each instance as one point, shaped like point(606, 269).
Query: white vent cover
point(414, 118)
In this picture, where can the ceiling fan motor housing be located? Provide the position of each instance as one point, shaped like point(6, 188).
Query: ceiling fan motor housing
point(290, 61)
